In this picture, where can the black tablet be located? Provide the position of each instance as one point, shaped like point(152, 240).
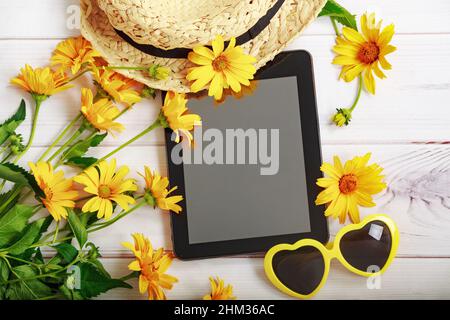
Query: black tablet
point(249, 182)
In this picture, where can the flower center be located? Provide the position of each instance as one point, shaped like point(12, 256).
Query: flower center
point(348, 183)
point(47, 191)
point(368, 52)
point(104, 191)
point(220, 63)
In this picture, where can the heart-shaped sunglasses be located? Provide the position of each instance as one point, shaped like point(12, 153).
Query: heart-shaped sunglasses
point(366, 248)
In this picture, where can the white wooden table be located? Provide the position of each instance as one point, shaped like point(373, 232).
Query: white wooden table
point(406, 126)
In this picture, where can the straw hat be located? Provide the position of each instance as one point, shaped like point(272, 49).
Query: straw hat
point(140, 33)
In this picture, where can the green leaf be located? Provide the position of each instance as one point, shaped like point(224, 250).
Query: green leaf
point(12, 202)
point(9, 126)
point(13, 223)
point(4, 275)
point(28, 289)
point(70, 294)
point(30, 234)
point(88, 218)
point(4, 271)
point(67, 251)
point(94, 282)
point(38, 258)
point(21, 177)
point(13, 175)
point(78, 228)
point(81, 147)
point(340, 14)
point(81, 162)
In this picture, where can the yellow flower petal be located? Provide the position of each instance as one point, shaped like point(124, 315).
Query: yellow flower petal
point(386, 35)
point(59, 194)
point(352, 35)
point(361, 52)
point(220, 68)
point(199, 59)
point(134, 266)
point(349, 186)
point(218, 45)
point(205, 52)
point(369, 81)
point(152, 266)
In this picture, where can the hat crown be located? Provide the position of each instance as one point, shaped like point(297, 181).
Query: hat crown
point(169, 24)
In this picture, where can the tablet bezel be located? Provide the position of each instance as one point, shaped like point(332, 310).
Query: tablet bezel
point(286, 64)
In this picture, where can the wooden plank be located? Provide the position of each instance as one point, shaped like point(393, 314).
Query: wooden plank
point(418, 198)
point(403, 280)
point(59, 18)
point(411, 103)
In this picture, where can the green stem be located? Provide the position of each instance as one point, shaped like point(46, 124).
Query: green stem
point(7, 157)
point(33, 129)
point(55, 236)
point(2, 185)
point(125, 68)
point(335, 27)
point(63, 157)
point(79, 75)
point(129, 276)
point(16, 192)
point(4, 148)
point(117, 218)
point(97, 227)
point(122, 113)
point(61, 135)
point(155, 125)
point(51, 274)
point(358, 95)
point(67, 143)
point(24, 261)
point(55, 296)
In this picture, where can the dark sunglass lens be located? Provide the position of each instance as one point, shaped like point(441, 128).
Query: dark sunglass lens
point(368, 248)
point(300, 270)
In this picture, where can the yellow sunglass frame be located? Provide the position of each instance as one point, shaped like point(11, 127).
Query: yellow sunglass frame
point(329, 252)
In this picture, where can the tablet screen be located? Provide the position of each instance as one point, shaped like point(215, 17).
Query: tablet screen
point(245, 176)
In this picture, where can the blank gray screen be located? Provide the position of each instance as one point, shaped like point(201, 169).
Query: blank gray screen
point(234, 201)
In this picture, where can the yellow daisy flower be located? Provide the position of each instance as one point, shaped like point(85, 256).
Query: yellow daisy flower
point(349, 186)
point(108, 186)
point(156, 188)
point(58, 191)
point(220, 68)
point(364, 52)
point(245, 92)
point(118, 87)
point(152, 266)
point(73, 54)
point(219, 291)
point(100, 114)
point(41, 81)
point(175, 115)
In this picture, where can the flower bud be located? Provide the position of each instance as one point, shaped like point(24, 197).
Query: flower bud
point(158, 72)
point(15, 149)
point(342, 117)
point(148, 92)
point(149, 199)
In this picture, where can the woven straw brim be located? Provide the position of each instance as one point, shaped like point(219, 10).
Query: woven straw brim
point(183, 23)
point(289, 22)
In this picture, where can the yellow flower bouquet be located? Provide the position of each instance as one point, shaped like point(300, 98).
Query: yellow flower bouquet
point(41, 207)
point(100, 194)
